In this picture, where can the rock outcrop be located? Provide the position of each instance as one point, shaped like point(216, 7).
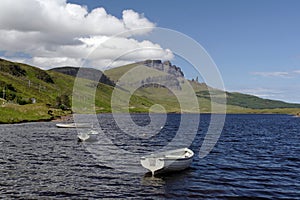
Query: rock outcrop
point(170, 80)
point(165, 66)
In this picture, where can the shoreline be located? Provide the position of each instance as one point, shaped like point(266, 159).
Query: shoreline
point(69, 117)
point(64, 118)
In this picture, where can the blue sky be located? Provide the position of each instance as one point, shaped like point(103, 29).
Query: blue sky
point(255, 44)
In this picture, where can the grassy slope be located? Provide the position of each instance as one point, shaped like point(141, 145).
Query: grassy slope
point(46, 93)
point(115, 73)
point(29, 86)
point(12, 113)
point(43, 92)
point(141, 101)
point(236, 102)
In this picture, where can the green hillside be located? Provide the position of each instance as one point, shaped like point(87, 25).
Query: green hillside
point(115, 73)
point(28, 93)
point(236, 102)
point(31, 94)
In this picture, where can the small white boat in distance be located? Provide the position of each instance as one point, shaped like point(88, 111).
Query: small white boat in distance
point(91, 136)
point(74, 125)
point(174, 160)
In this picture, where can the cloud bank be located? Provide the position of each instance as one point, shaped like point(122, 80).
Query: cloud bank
point(278, 74)
point(56, 33)
point(272, 74)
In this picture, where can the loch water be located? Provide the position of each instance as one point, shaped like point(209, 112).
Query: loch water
point(256, 157)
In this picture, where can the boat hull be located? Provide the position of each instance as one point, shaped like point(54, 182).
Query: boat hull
point(175, 165)
point(175, 160)
point(74, 125)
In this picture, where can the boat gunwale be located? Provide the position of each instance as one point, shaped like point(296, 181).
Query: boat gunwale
point(163, 156)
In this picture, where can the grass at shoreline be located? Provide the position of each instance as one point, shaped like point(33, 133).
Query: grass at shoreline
point(12, 113)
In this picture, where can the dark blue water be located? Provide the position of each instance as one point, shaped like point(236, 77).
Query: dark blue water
point(257, 156)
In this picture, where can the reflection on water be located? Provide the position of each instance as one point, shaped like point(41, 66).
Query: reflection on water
point(256, 156)
point(149, 180)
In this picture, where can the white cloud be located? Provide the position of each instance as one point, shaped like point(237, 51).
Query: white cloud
point(273, 74)
point(133, 20)
point(46, 62)
point(128, 49)
point(296, 71)
point(57, 33)
point(278, 74)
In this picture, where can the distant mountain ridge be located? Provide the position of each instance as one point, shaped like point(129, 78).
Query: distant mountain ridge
point(89, 73)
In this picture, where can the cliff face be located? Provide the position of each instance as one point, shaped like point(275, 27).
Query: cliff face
point(165, 66)
point(170, 80)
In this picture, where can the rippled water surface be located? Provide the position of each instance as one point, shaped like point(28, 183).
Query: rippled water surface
point(257, 156)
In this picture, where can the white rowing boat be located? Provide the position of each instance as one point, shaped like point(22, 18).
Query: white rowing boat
point(74, 125)
point(174, 160)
